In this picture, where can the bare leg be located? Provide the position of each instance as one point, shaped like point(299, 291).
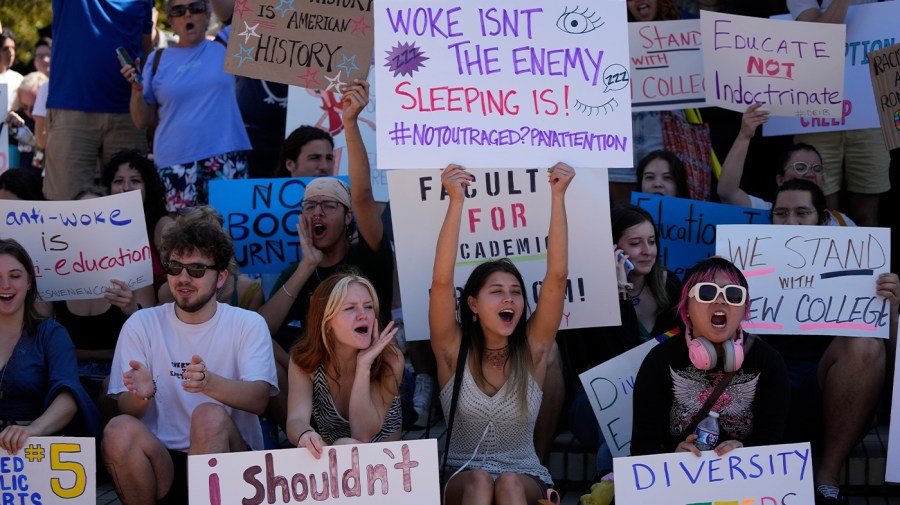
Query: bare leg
point(551, 406)
point(137, 461)
point(471, 487)
point(213, 431)
point(516, 489)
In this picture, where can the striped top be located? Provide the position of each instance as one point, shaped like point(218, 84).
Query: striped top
point(332, 426)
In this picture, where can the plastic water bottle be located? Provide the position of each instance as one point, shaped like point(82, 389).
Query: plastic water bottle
point(23, 135)
point(708, 432)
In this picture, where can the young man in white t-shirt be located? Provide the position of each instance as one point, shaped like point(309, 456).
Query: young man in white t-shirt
point(191, 377)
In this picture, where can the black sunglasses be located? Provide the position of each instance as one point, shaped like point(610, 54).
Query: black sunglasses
point(198, 7)
point(195, 270)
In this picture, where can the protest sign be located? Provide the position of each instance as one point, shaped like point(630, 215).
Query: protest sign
point(603, 384)
point(390, 473)
point(666, 65)
point(811, 280)
point(320, 45)
point(323, 109)
point(765, 475)
point(870, 27)
point(506, 215)
point(522, 85)
point(793, 68)
point(261, 216)
point(78, 247)
point(884, 66)
point(892, 472)
point(50, 470)
point(4, 129)
point(687, 228)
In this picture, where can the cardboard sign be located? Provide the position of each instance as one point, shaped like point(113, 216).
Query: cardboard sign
point(794, 68)
point(389, 473)
point(603, 385)
point(50, 470)
point(870, 27)
point(321, 45)
point(764, 475)
point(4, 129)
point(523, 84)
point(79, 246)
point(666, 65)
point(687, 228)
point(884, 67)
point(261, 216)
point(811, 280)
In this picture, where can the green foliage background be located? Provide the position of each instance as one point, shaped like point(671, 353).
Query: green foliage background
point(24, 18)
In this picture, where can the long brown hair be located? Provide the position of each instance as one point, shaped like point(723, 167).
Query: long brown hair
point(32, 317)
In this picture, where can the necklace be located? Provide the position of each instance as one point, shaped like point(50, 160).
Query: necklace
point(636, 298)
point(496, 357)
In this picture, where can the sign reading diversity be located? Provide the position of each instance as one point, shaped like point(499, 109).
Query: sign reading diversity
point(50, 470)
point(322, 45)
point(884, 66)
point(261, 216)
point(78, 247)
point(687, 228)
point(666, 65)
point(609, 388)
point(389, 473)
point(765, 475)
point(870, 27)
point(519, 85)
point(794, 68)
point(506, 215)
point(811, 280)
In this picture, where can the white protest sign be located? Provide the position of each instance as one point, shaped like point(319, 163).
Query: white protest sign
point(870, 27)
point(389, 473)
point(506, 216)
point(666, 65)
point(764, 475)
point(4, 129)
point(522, 85)
point(50, 470)
point(609, 386)
point(78, 247)
point(811, 280)
point(794, 68)
point(892, 472)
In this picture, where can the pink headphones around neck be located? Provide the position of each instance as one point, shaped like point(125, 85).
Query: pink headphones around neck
point(704, 356)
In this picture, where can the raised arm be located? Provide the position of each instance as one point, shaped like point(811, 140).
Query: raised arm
point(544, 323)
point(142, 113)
point(354, 99)
point(729, 188)
point(370, 400)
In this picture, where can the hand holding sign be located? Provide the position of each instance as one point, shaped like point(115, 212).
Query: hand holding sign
point(888, 287)
point(13, 438)
point(752, 118)
point(560, 177)
point(455, 180)
point(354, 99)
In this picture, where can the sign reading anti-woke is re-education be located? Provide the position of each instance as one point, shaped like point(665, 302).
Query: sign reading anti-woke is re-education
point(811, 280)
point(502, 85)
point(666, 65)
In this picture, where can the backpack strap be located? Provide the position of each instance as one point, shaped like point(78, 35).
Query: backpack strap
point(454, 399)
point(156, 56)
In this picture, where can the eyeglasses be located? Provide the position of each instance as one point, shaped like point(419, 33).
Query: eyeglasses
point(708, 292)
point(328, 206)
point(801, 167)
point(198, 7)
point(195, 270)
point(802, 212)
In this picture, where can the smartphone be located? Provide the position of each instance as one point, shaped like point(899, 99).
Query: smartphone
point(629, 266)
point(125, 59)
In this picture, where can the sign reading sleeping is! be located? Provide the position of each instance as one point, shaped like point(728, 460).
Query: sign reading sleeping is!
point(388, 473)
point(78, 247)
point(811, 280)
point(50, 470)
point(503, 84)
point(506, 215)
point(764, 475)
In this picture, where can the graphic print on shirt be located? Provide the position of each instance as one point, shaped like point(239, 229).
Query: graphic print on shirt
point(690, 389)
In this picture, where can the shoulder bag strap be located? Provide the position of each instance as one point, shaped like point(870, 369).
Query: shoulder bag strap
point(717, 392)
point(457, 385)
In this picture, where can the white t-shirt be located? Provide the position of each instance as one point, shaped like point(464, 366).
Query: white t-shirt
point(12, 79)
point(235, 344)
point(798, 6)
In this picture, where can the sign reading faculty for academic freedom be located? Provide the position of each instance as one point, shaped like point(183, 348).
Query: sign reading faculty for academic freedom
point(502, 84)
point(319, 44)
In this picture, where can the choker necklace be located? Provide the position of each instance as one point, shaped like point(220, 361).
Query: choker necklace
point(636, 299)
point(496, 357)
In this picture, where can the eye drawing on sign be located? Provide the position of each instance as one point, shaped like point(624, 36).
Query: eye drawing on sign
point(576, 23)
point(590, 110)
point(404, 59)
point(243, 54)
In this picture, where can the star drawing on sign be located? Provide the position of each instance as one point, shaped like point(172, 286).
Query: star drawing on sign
point(240, 7)
point(242, 51)
point(335, 82)
point(348, 64)
point(309, 77)
point(360, 25)
point(249, 31)
point(285, 6)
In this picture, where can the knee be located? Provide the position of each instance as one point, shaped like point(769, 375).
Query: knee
point(867, 353)
point(208, 421)
point(480, 483)
point(508, 485)
point(119, 436)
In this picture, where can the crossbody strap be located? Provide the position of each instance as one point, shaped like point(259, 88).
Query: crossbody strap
point(717, 392)
point(454, 398)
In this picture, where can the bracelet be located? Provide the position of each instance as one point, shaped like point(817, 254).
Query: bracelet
point(301, 436)
point(292, 297)
point(153, 395)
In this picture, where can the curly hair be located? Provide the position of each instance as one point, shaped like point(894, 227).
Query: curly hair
point(203, 236)
point(154, 192)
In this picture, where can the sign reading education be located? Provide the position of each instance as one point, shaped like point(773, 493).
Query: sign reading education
point(794, 68)
point(811, 280)
point(389, 473)
point(505, 85)
point(666, 65)
point(687, 228)
point(50, 470)
point(884, 66)
point(78, 247)
point(320, 45)
point(765, 475)
point(506, 215)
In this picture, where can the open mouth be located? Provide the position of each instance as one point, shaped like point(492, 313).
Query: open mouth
point(643, 9)
point(507, 315)
point(7, 297)
point(718, 319)
point(362, 330)
point(319, 230)
point(189, 26)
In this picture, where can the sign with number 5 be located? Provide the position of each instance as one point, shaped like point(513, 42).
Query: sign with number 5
point(49, 470)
